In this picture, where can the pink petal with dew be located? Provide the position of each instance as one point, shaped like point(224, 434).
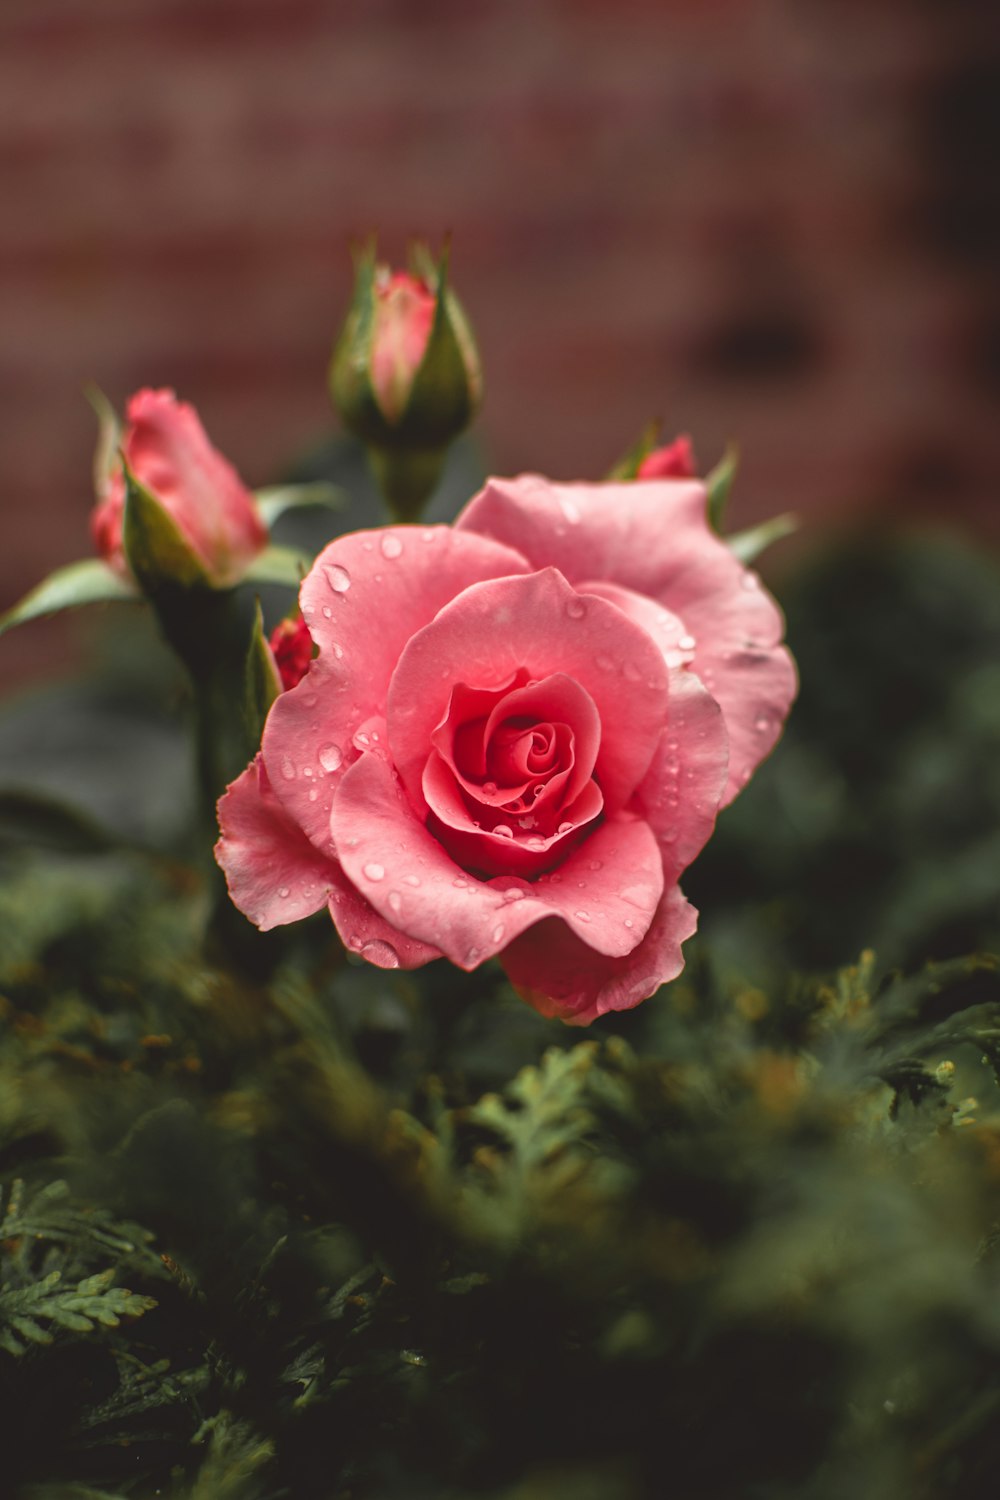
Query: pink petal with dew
point(653, 537)
point(362, 930)
point(539, 623)
point(607, 890)
point(274, 874)
point(560, 976)
point(363, 599)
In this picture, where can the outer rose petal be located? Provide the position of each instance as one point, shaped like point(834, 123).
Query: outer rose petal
point(654, 537)
point(537, 622)
point(363, 599)
point(363, 931)
point(273, 873)
point(560, 976)
point(681, 793)
point(607, 891)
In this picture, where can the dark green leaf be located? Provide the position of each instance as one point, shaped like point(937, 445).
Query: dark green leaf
point(88, 582)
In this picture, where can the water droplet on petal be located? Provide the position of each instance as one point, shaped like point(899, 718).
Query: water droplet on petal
point(629, 922)
point(632, 672)
point(583, 916)
point(314, 794)
point(514, 894)
point(395, 901)
point(761, 723)
point(284, 892)
point(287, 768)
point(498, 932)
point(564, 828)
point(338, 578)
point(596, 864)
point(751, 581)
point(413, 880)
point(338, 652)
point(687, 643)
point(504, 831)
point(460, 881)
point(331, 757)
point(569, 510)
point(360, 741)
point(429, 535)
point(383, 954)
point(391, 545)
point(327, 612)
point(374, 871)
point(489, 788)
point(576, 608)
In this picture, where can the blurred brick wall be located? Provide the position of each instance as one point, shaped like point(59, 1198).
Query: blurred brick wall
point(762, 220)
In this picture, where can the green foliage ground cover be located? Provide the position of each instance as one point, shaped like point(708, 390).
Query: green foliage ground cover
point(274, 1224)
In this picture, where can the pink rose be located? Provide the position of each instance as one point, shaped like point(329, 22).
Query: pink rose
point(167, 450)
point(516, 735)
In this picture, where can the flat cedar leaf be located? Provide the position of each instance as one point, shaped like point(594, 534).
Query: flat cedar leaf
point(261, 683)
point(93, 1301)
point(282, 565)
point(156, 548)
point(275, 500)
point(627, 466)
point(719, 484)
point(88, 582)
point(749, 544)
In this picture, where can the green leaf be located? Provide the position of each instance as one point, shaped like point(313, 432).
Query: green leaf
point(88, 582)
point(719, 484)
point(275, 500)
point(282, 565)
point(262, 683)
point(749, 544)
point(627, 466)
point(157, 550)
point(38, 821)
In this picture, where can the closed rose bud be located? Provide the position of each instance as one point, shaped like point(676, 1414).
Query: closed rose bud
point(168, 453)
point(673, 461)
point(292, 648)
point(405, 375)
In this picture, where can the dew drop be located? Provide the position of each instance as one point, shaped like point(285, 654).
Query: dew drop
point(327, 612)
point(314, 794)
point(498, 932)
point(514, 894)
point(429, 535)
point(629, 922)
point(490, 788)
point(631, 672)
point(374, 871)
point(687, 643)
point(311, 701)
point(338, 578)
point(569, 510)
point(331, 757)
point(360, 741)
point(338, 652)
point(284, 892)
point(287, 768)
point(504, 831)
point(564, 828)
point(575, 608)
point(583, 916)
point(596, 864)
point(761, 723)
point(751, 581)
point(413, 880)
point(460, 882)
point(472, 955)
point(382, 954)
point(395, 901)
point(391, 545)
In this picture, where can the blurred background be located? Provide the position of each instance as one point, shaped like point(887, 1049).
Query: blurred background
point(769, 220)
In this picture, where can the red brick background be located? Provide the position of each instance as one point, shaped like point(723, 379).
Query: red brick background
point(773, 220)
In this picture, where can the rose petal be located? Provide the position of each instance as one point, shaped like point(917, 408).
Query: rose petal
point(541, 624)
point(363, 931)
point(561, 976)
point(654, 538)
point(363, 599)
point(683, 788)
point(614, 878)
point(273, 872)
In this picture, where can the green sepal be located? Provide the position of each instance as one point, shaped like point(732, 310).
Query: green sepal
point(281, 565)
point(627, 466)
point(156, 549)
point(261, 682)
point(719, 484)
point(443, 398)
point(749, 544)
point(349, 377)
point(109, 434)
point(407, 478)
point(275, 500)
point(88, 582)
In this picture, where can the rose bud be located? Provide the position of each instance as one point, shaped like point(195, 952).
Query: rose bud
point(292, 649)
point(169, 455)
point(405, 375)
point(673, 461)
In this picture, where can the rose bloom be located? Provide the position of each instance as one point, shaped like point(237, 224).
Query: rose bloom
point(516, 735)
point(167, 450)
